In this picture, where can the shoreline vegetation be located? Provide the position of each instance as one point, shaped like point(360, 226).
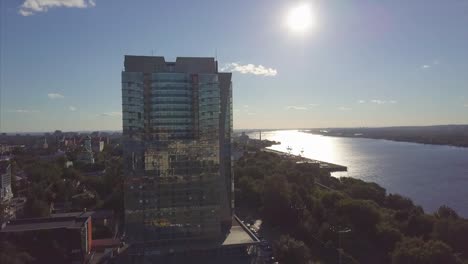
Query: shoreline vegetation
point(446, 135)
point(311, 216)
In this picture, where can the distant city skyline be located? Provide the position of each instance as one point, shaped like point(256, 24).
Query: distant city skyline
point(359, 63)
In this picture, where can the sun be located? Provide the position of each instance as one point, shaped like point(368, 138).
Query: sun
point(300, 18)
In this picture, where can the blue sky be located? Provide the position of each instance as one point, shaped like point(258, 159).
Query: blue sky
point(364, 63)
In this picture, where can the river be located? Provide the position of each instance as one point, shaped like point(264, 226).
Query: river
point(430, 175)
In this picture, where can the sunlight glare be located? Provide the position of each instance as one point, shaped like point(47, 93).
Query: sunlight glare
point(300, 18)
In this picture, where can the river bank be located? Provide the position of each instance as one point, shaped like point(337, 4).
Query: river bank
point(430, 175)
point(307, 219)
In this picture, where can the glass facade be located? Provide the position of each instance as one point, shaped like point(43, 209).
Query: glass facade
point(177, 125)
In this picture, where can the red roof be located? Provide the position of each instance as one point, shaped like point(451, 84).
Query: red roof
point(106, 243)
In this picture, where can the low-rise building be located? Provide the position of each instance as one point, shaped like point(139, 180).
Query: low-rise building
point(97, 144)
point(61, 239)
point(15, 207)
point(5, 180)
point(243, 138)
point(86, 154)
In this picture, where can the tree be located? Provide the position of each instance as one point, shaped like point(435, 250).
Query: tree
point(453, 232)
point(11, 255)
point(43, 172)
point(398, 202)
point(36, 208)
point(72, 174)
point(251, 194)
point(446, 212)
point(419, 225)
point(277, 200)
point(388, 237)
point(3, 207)
point(291, 251)
point(416, 251)
point(361, 214)
point(330, 199)
point(359, 189)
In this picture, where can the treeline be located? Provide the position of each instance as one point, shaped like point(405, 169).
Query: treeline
point(453, 135)
point(50, 183)
point(310, 222)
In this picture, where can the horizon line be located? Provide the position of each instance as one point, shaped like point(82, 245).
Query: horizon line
point(266, 129)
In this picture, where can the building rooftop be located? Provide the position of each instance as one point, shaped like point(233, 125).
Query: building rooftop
point(94, 214)
point(231, 249)
point(4, 166)
point(182, 64)
point(33, 224)
point(239, 234)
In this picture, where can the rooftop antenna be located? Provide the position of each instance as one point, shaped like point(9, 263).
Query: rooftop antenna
point(216, 59)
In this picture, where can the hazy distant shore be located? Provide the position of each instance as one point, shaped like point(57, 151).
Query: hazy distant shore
point(449, 135)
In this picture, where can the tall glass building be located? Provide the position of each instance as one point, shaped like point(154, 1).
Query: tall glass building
point(177, 126)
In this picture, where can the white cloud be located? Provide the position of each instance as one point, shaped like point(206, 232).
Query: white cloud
point(250, 69)
point(29, 7)
point(343, 108)
point(72, 108)
point(251, 114)
point(246, 106)
point(314, 105)
point(55, 96)
point(434, 63)
point(377, 101)
point(112, 114)
point(361, 102)
point(23, 111)
point(293, 107)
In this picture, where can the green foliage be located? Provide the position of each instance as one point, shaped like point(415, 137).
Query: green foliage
point(419, 225)
point(51, 183)
point(359, 189)
point(72, 174)
point(43, 172)
point(277, 200)
point(36, 208)
point(310, 215)
point(3, 207)
point(291, 251)
point(398, 202)
point(9, 254)
point(446, 212)
point(388, 237)
point(418, 251)
point(360, 214)
point(453, 232)
point(251, 194)
point(330, 199)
